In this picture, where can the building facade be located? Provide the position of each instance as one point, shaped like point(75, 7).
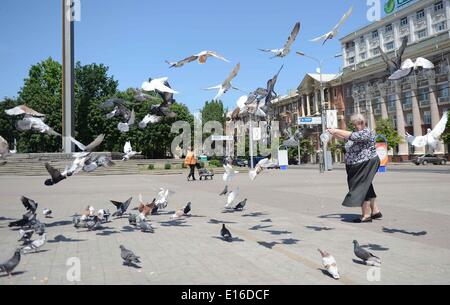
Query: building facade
point(413, 104)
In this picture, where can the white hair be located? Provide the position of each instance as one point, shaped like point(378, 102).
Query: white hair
point(358, 118)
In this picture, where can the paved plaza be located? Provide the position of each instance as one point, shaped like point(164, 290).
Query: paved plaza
point(288, 216)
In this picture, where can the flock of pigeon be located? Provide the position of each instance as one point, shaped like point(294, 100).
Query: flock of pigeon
point(256, 103)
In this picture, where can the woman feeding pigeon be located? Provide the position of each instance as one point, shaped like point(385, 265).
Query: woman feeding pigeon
point(362, 163)
point(191, 161)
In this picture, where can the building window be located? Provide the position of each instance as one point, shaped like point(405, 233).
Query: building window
point(443, 90)
point(335, 92)
point(427, 117)
point(388, 29)
point(422, 34)
point(375, 52)
point(394, 122)
point(348, 92)
point(363, 55)
point(362, 40)
point(407, 99)
point(420, 15)
point(424, 94)
point(441, 26)
point(351, 60)
point(404, 22)
point(438, 6)
point(409, 119)
point(390, 46)
point(374, 34)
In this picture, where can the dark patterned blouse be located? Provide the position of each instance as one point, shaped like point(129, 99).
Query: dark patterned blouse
point(360, 147)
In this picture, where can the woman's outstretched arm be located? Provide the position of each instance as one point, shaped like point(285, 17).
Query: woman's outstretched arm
point(340, 133)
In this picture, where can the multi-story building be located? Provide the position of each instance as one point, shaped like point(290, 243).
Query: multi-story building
point(417, 102)
point(414, 104)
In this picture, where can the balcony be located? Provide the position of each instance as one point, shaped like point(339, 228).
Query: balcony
point(444, 100)
point(424, 103)
point(391, 108)
point(407, 106)
point(377, 111)
point(420, 24)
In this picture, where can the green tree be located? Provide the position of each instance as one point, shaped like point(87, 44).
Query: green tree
point(214, 111)
point(386, 128)
point(446, 134)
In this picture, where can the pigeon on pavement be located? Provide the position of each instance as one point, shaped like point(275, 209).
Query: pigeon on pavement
point(366, 256)
point(329, 263)
point(128, 256)
point(121, 207)
point(11, 264)
point(226, 234)
point(36, 244)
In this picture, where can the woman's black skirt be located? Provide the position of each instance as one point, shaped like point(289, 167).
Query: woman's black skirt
point(359, 179)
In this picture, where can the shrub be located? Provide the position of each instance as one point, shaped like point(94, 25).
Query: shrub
point(215, 163)
point(183, 165)
point(151, 166)
point(167, 166)
point(202, 164)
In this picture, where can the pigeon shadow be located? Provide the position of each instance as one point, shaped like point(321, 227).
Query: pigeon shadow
point(107, 232)
point(215, 221)
point(342, 217)
point(277, 232)
point(267, 220)
point(5, 218)
point(62, 238)
point(231, 211)
point(267, 244)
point(13, 274)
point(254, 214)
point(174, 223)
point(132, 265)
point(59, 223)
point(259, 227)
point(165, 213)
point(325, 272)
point(289, 241)
point(35, 252)
point(391, 231)
point(128, 229)
point(318, 229)
point(270, 245)
point(194, 216)
point(234, 239)
point(375, 247)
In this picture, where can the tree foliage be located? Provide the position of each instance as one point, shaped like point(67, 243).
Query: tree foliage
point(386, 128)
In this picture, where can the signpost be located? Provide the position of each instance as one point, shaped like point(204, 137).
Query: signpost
point(332, 120)
point(283, 160)
point(310, 120)
point(382, 152)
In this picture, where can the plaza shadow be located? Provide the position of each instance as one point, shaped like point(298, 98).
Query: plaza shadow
point(341, 217)
point(391, 231)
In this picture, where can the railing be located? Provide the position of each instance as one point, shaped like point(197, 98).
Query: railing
point(424, 103)
point(444, 100)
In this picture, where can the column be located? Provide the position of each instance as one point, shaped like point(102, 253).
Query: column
point(383, 100)
point(435, 116)
point(417, 120)
point(308, 104)
point(302, 101)
point(403, 147)
point(316, 101)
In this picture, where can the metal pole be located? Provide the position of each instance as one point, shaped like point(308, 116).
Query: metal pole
point(251, 143)
point(67, 75)
point(322, 96)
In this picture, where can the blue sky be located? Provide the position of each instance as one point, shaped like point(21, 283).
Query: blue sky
point(134, 37)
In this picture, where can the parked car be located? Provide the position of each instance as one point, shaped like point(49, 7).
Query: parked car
point(429, 159)
point(240, 162)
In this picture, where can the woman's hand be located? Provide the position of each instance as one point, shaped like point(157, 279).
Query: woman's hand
point(332, 131)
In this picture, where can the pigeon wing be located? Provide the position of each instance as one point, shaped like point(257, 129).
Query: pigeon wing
point(343, 19)
point(94, 144)
point(402, 73)
point(54, 173)
point(439, 129)
point(424, 63)
point(293, 35)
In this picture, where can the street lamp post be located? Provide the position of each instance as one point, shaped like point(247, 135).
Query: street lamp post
point(320, 62)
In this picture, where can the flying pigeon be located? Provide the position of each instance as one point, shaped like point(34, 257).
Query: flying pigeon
point(120, 108)
point(146, 208)
point(128, 151)
point(329, 263)
point(287, 47)
point(25, 236)
point(94, 162)
point(29, 204)
point(121, 207)
point(141, 96)
point(258, 168)
point(149, 119)
point(26, 221)
point(36, 244)
point(232, 197)
point(240, 206)
point(225, 191)
point(91, 146)
point(55, 175)
point(366, 256)
point(32, 120)
point(335, 30)
point(23, 109)
point(11, 264)
point(157, 84)
point(226, 234)
point(128, 256)
point(226, 84)
point(270, 90)
point(395, 64)
point(409, 66)
point(432, 137)
point(229, 173)
point(38, 227)
point(46, 212)
point(125, 127)
point(201, 57)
